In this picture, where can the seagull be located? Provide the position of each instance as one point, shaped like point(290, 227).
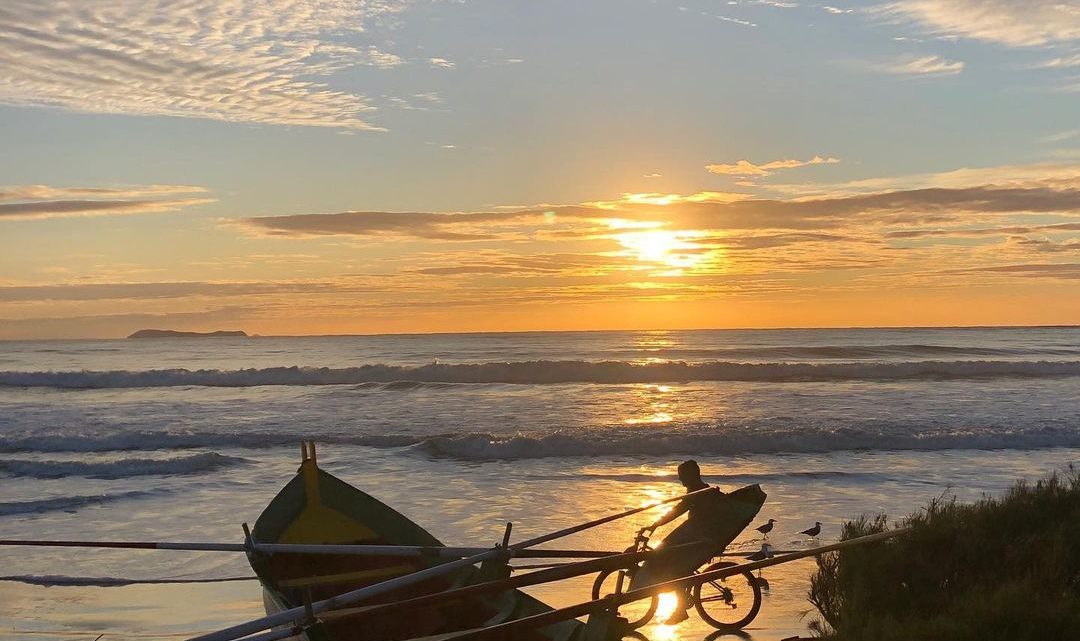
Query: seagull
point(814, 531)
point(766, 528)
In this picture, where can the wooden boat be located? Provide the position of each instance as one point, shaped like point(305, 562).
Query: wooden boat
point(317, 508)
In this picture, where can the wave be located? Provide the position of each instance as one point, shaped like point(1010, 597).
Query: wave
point(735, 440)
point(69, 503)
point(837, 352)
point(154, 441)
point(748, 478)
point(544, 372)
point(480, 447)
point(125, 468)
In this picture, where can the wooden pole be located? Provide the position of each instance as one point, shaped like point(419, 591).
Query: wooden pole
point(615, 600)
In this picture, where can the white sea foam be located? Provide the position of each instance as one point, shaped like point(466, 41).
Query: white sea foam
point(544, 372)
point(119, 469)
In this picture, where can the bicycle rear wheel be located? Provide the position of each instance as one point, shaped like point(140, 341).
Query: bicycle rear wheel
point(729, 603)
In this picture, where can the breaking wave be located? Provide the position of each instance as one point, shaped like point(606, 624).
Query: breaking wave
point(125, 468)
point(474, 446)
point(69, 503)
point(543, 372)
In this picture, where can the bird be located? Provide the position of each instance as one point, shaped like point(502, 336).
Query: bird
point(814, 531)
point(766, 528)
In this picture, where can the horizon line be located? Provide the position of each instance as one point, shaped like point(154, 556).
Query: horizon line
point(570, 331)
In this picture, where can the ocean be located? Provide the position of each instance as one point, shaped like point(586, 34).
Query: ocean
point(185, 439)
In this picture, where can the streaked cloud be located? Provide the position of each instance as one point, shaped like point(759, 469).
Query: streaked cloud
point(231, 60)
point(441, 63)
point(1014, 23)
point(747, 168)
point(42, 201)
point(910, 65)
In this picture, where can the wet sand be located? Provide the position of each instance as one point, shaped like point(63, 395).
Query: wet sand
point(140, 612)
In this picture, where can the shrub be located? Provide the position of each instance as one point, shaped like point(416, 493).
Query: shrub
point(1001, 568)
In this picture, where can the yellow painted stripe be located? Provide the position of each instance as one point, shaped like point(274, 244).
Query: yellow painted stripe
point(376, 573)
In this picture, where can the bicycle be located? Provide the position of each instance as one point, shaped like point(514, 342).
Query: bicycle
point(727, 604)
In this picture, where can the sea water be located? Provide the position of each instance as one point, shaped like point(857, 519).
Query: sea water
point(185, 439)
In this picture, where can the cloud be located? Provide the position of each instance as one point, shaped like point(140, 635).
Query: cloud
point(919, 206)
point(769, 241)
point(1061, 136)
point(1014, 23)
point(747, 168)
point(1055, 175)
point(42, 201)
point(381, 59)
point(920, 66)
point(1069, 271)
point(441, 63)
point(230, 60)
point(425, 225)
point(165, 290)
point(992, 231)
point(45, 192)
point(1043, 245)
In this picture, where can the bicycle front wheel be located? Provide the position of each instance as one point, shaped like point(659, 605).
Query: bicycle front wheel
point(637, 613)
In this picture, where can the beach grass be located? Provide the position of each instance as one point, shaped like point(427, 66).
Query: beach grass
point(1004, 567)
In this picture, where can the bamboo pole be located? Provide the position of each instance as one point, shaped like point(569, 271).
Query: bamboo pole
point(301, 613)
point(614, 600)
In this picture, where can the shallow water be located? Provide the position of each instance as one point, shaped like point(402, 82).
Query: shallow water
point(966, 411)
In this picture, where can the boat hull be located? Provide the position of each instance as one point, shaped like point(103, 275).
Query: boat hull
point(317, 508)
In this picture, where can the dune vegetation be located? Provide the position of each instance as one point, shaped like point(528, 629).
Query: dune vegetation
point(1004, 567)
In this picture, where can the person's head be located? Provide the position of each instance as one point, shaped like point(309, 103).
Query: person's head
point(690, 474)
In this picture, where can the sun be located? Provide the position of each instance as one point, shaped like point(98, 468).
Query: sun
point(666, 247)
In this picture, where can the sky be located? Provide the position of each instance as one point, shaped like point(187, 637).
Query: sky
point(298, 167)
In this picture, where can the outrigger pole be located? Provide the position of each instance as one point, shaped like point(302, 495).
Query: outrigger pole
point(305, 612)
point(304, 548)
point(559, 573)
point(613, 601)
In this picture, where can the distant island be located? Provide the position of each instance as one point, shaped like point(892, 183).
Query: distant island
point(172, 333)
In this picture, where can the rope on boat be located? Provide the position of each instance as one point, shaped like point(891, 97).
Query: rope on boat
point(110, 581)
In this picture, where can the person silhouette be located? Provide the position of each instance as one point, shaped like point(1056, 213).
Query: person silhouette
point(700, 512)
